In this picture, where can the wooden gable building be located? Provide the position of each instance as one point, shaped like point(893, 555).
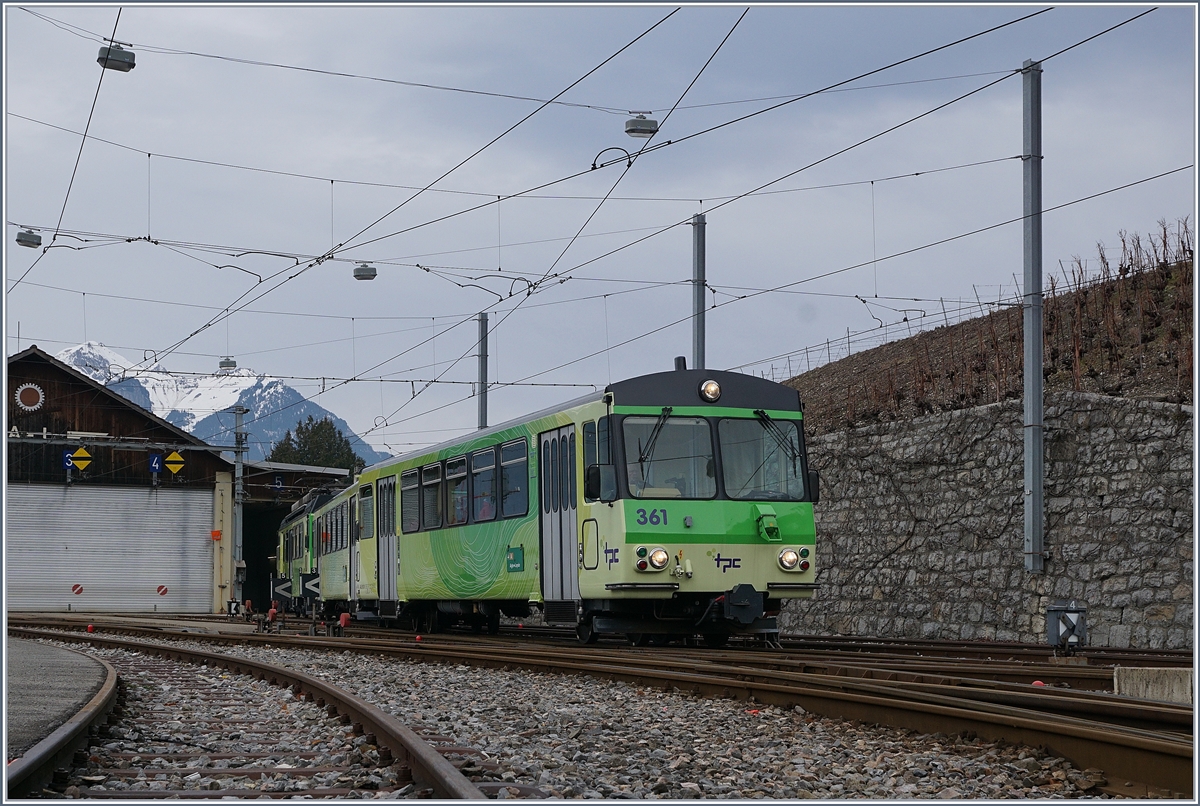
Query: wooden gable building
point(109, 507)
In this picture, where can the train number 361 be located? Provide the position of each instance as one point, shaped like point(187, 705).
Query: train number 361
point(655, 517)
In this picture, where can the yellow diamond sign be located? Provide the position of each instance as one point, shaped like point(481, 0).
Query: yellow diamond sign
point(174, 462)
point(81, 459)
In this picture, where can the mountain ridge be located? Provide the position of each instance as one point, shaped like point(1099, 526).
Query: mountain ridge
point(200, 403)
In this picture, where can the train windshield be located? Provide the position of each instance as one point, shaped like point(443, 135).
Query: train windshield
point(669, 457)
point(761, 459)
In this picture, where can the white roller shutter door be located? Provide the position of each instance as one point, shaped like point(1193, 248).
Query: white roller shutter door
point(110, 549)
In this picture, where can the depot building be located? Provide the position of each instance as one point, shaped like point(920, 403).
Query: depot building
point(109, 508)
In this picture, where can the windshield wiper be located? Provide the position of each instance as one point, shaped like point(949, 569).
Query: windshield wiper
point(782, 439)
point(648, 451)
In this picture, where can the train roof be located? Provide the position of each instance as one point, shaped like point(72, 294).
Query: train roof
point(491, 430)
point(671, 388)
point(681, 387)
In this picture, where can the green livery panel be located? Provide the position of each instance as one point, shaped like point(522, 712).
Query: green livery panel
point(701, 489)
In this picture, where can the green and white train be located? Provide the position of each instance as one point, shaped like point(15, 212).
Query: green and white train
point(678, 504)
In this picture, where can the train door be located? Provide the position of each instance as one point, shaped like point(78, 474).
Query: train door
point(558, 485)
point(355, 560)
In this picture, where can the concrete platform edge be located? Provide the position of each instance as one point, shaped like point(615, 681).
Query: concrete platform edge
point(28, 774)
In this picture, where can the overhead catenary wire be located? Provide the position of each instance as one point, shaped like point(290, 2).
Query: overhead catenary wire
point(110, 239)
point(676, 141)
point(860, 265)
point(75, 169)
point(621, 176)
point(489, 194)
point(612, 110)
point(239, 301)
point(658, 329)
point(876, 136)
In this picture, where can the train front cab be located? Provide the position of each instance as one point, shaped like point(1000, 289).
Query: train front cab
point(695, 514)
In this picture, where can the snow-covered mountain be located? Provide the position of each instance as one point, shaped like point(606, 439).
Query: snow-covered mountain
point(198, 403)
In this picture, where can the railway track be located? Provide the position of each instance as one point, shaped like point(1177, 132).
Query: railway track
point(1147, 745)
point(240, 708)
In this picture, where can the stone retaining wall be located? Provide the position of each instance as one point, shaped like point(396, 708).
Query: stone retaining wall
point(920, 530)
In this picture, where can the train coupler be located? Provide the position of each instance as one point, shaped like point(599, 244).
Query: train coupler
point(744, 604)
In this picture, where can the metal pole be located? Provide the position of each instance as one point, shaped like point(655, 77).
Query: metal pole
point(239, 565)
point(1032, 158)
point(698, 291)
point(483, 359)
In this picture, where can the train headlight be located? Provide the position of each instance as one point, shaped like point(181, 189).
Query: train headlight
point(803, 552)
point(804, 565)
point(659, 559)
point(710, 391)
point(789, 559)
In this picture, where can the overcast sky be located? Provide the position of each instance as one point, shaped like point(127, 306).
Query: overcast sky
point(155, 248)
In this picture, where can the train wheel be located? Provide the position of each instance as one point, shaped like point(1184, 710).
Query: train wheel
point(716, 640)
point(584, 631)
point(637, 638)
point(431, 621)
point(660, 639)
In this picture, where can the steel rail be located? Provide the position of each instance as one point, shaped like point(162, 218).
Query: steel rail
point(1120, 711)
point(29, 774)
point(959, 680)
point(1161, 759)
point(428, 766)
point(990, 650)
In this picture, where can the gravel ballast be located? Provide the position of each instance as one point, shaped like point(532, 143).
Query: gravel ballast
point(583, 737)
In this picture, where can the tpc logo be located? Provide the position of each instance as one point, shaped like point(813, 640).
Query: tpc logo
point(725, 563)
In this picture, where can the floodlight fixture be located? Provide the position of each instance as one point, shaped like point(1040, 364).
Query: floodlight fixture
point(641, 126)
point(115, 57)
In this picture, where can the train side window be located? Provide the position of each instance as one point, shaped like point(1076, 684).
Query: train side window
point(589, 443)
point(410, 501)
point(545, 476)
point(457, 499)
point(574, 474)
point(483, 485)
point(554, 485)
point(343, 528)
point(514, 479)
point(602, 443)
point(385, 503)
point(589, 449)
point(431, 497)
point(564, 475)
point(366, 512)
